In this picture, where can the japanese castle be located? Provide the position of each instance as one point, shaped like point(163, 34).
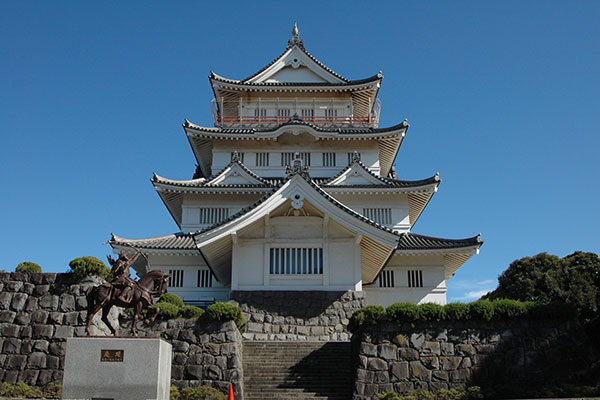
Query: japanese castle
point(295, 189)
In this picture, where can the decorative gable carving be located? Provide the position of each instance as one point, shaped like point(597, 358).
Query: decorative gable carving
point(234, 174)
point(355, 175)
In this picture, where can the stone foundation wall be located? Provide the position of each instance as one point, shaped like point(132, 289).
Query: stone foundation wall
point(38, 312)
point(298, 315)
point(497, 356)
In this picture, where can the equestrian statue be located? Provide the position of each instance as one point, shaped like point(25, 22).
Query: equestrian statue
point(123, 291)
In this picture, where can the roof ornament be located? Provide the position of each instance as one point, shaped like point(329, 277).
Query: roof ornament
point(295, 37)
point(355, 156)
point(235, 157)
point(297, 168)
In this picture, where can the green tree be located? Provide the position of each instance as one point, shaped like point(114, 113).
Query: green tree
point(88, 265)
point(545, 278)
point(28, 266)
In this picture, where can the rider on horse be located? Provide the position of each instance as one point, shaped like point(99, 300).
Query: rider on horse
point(122, 277)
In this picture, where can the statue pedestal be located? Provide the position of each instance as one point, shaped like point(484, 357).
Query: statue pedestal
point(117, 368)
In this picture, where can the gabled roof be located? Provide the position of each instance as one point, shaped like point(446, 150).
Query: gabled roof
point(377, 242)
point(294, 43)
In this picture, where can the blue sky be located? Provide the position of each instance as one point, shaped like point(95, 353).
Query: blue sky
point(502, 98)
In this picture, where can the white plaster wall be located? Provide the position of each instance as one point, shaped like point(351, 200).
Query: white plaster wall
point(342, 263)
point(397, 202)
point(190, 266)
point(434, 284)
point(193, 202)
point(250, 267)
point(368, 150)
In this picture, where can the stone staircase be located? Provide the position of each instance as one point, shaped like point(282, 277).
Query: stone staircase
point(295, 370)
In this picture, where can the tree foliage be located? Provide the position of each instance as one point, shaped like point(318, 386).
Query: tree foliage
point(545, 278)
point(88, 265)
point(28, 266)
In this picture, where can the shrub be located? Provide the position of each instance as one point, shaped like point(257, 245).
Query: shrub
point(456, 311)
point(167, 310)
point(508, 309)
point(459, 393)
point(85, 266)
point(366, 316)
point(481, 309)
point(550, 310)
point(28, 266)
point(191, 312)
point(403, 312)
point(197, 393)
point(227, 312)
point(19, 390)
point(171, 298)
point(431, 312)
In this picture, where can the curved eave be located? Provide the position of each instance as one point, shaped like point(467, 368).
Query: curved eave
point(220, 83)
point(455, 252)
point(379, 189)
point(389, 133)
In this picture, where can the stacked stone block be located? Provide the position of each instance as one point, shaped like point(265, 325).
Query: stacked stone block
point(442, 355)
point(37, 313)
point(298, 315)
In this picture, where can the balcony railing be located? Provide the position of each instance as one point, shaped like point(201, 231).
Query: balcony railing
point(264, 120)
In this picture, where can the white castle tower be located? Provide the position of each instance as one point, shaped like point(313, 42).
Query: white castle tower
point(295, 189)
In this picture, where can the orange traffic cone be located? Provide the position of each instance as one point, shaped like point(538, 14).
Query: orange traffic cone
point(230, 397)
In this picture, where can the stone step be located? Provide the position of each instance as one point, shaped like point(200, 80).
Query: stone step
point(297, 370)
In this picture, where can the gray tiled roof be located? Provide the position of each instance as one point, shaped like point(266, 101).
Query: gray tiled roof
point(295, 120)
point(413, 241)
point(373, 78)
point(174, 241)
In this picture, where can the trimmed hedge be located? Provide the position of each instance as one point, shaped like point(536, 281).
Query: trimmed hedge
point(28, 266)
point(191, 312)
point(478, 310)
point(196, 393)
point(459, 393)
point(172, 298)
point(227, 312)
point(88, 265)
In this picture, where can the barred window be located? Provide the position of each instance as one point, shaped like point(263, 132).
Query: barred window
point(386, 279)
point(283, 112)
point(260, 113)
point(296, 261)
point(212, 215)
point(262, 159)
point(307, 112)
point(176, 278)
point(382, 216)
point(331, 112)
point(287, 158)
point(415, 278)
point(329, 159)
point(240, 155)
point(204, 278)
point(351, 156)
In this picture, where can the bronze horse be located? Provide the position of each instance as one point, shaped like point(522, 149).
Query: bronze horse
point(154, 283)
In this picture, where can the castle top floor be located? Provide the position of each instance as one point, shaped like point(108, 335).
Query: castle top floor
point(295, 84)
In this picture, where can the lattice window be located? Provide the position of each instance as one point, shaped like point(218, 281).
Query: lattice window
point(330, 112)
point(296, 261)
point(212, 215)
point(240, 155)
point(204, 278)
point(260, 113)
point(415, 278)
point(329, 159)
point(262, 159)
point(287, 158)
point(176, 278)
point(386, 279)
point(382, 216)
point(351, 156)
point(283, 112)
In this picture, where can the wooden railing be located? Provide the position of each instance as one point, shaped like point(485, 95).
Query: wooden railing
point(276, 121)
